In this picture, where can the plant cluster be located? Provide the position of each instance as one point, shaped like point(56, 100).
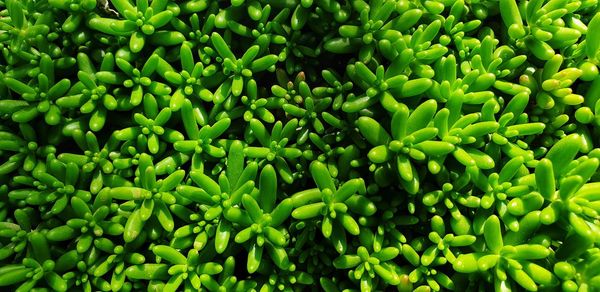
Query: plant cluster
point(312, 145)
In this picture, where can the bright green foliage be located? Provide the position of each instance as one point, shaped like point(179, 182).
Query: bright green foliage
point(299, 145)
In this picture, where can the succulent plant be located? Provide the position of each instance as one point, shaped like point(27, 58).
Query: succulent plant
point(150, 198)
point(335, 145)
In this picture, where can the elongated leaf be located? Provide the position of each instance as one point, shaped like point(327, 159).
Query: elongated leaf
point(592, 40)
point(373, 131)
